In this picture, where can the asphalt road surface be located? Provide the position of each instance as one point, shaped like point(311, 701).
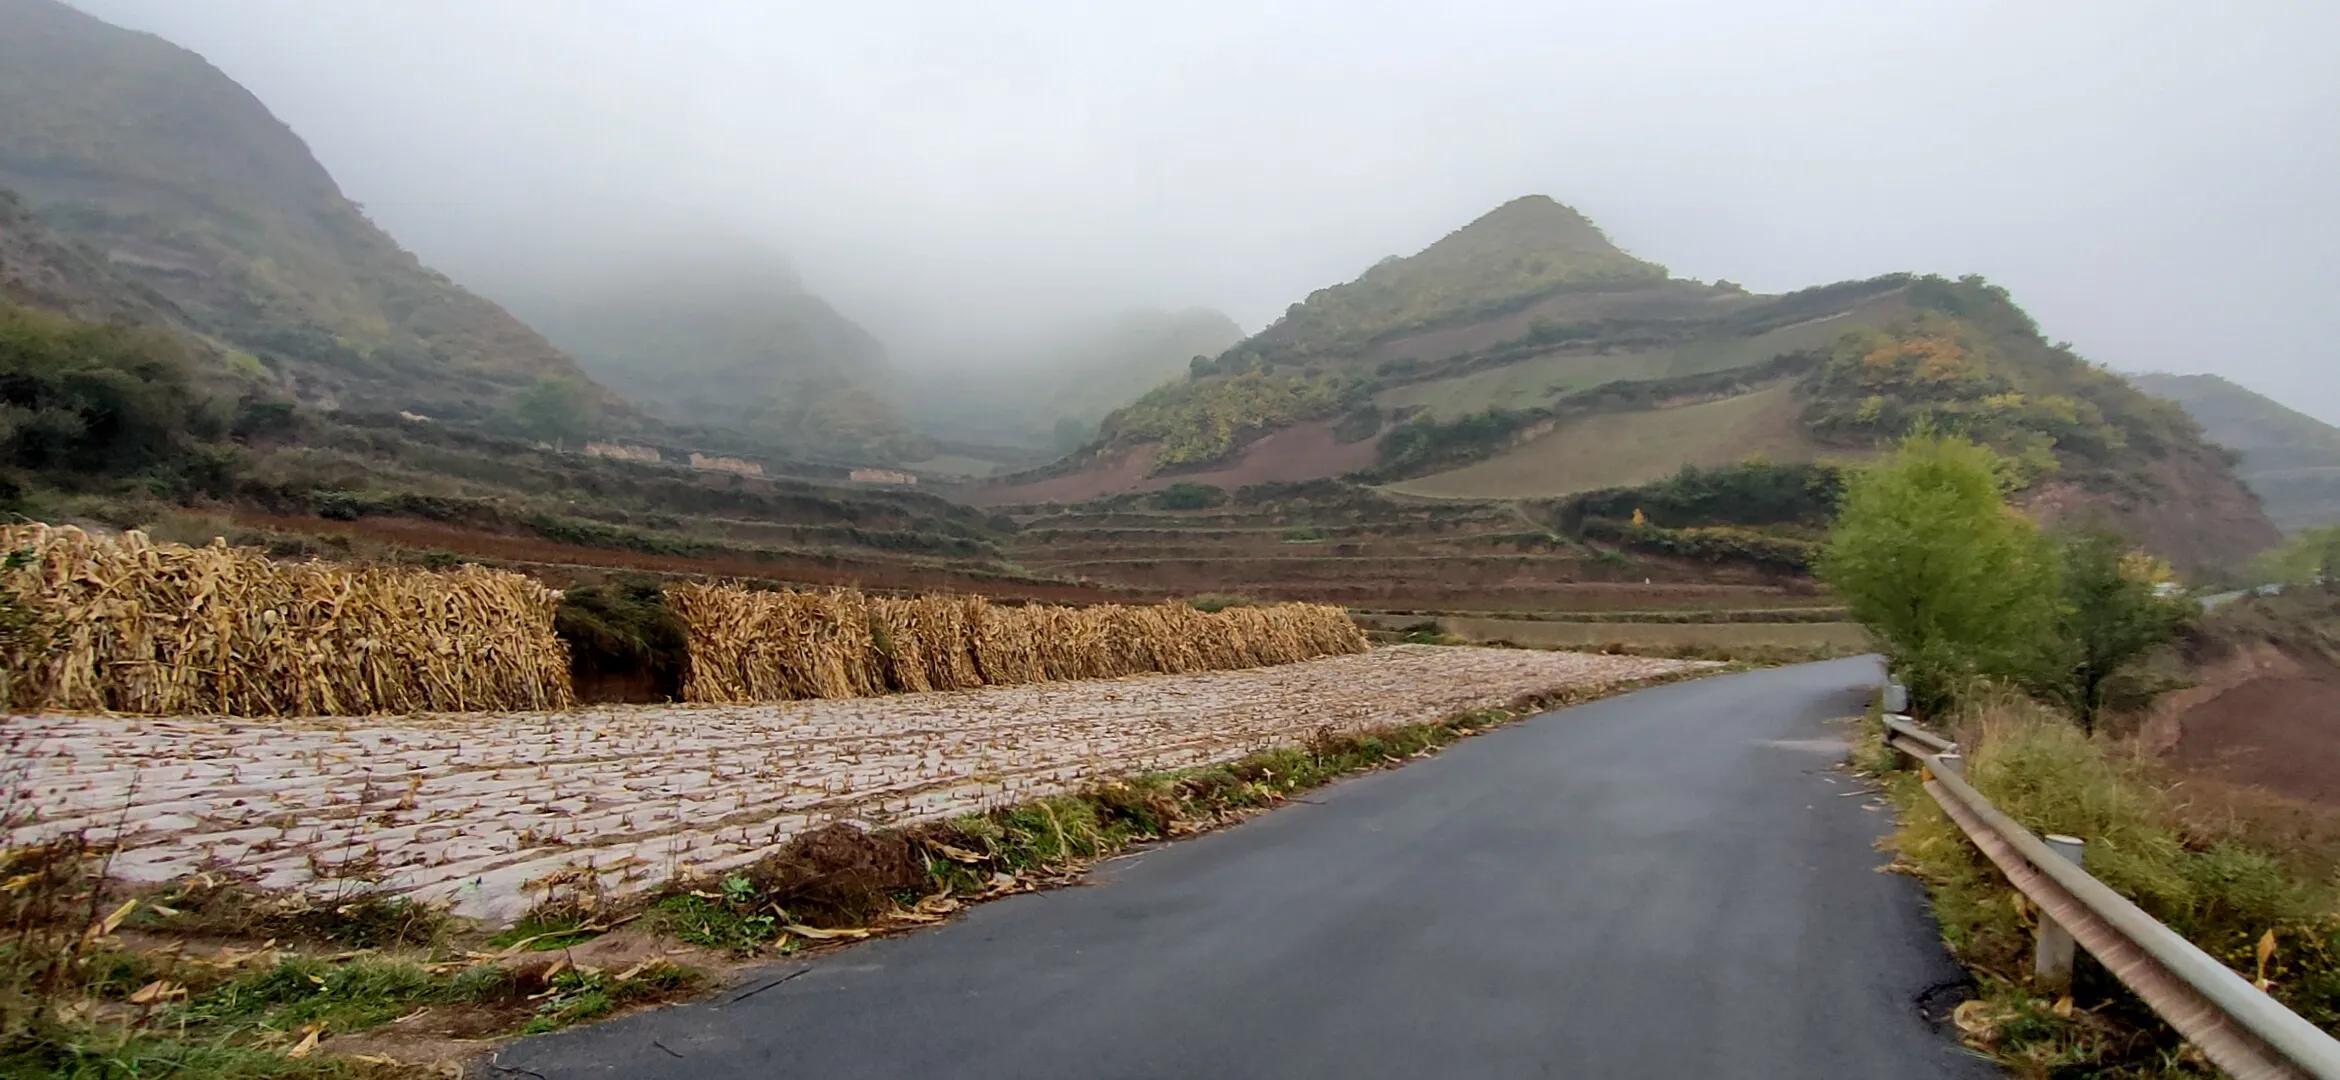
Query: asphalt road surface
point(1673, 883)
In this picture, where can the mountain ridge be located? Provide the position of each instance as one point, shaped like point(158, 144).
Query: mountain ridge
point(1481, 381)
point(2290, 458)
point(185, 184)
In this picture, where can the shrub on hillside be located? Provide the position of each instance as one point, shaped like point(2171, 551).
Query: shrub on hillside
point(1185, 495)
point(82, 405)
point(1713, 543)
point(1751, 492)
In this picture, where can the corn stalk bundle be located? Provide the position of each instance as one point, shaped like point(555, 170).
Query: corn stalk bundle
point(130, 625)
point(895, 657)
point(775, 646)
point(1006, 642)
point(748, 645)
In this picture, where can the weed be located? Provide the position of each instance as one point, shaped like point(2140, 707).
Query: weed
point(2225, 897)
point(542, 931)
point(577, 995)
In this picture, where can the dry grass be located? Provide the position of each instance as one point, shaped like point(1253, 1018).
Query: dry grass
point(749, 645)
point(129, 625)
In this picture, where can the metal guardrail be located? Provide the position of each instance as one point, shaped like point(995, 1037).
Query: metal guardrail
point(2235, 1024)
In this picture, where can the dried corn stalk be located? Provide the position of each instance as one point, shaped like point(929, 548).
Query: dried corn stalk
point(129, 625)
point(748, 645)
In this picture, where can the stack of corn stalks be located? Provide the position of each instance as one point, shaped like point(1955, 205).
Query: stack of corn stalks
point(748, 646)
point(129, 625)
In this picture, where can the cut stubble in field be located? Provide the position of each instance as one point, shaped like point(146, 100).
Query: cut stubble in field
point(469, 809)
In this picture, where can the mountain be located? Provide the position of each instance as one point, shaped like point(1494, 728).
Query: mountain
point(723, 335)
point(41, 269)
point(186, 186)
point(1046, 392)
point(1524, 356)
point(2290, 458)
point(1522, 249)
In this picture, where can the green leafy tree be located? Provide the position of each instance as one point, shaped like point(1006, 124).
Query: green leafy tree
point(2110, 615)
point(1951, 580)
point(556, 410)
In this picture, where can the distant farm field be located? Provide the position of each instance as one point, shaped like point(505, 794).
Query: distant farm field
point(1623, 449)
point(1538, 380)
point(1757, 639)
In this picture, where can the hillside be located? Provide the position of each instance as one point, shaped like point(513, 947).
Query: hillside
point(1525, 357)
point(1051, 393)
point(2290, 458)
point(187, 186)
point(727, 337)
point(1525, 248)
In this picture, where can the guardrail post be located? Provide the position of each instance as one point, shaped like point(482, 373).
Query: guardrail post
point(2051, 958)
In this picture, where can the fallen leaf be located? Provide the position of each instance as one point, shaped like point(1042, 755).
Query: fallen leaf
point(112, 922)
point(2062, 1007)
point(308, 1043)
point(155, 991)
point(817, 934)
point(955, 854)
point(1969, 1017)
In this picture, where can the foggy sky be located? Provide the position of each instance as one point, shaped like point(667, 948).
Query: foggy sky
point(2155, 181)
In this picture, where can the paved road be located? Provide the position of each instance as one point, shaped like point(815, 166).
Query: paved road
point(1667, 884)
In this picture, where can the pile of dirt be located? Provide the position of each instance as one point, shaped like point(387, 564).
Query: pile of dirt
point(2260, 700)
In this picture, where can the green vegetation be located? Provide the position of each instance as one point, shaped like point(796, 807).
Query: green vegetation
point(1219, 601)
point(102, 407)
point(1424, 444)
point(123, 142)
point(268, 978)
point(2224, 896)
point(624, 630)
point(1954, 584)
point(1198, 422)
point(1755, 492)
point(556, 410)
point(1973, 363)
point(1524, 248)
point(2311, 556)
point(1987, 621)
point(2110, 616)
point(1185, 495)
point(1707, 543)
point(1608, 449)
point(1960, 588)
point(1555, 363)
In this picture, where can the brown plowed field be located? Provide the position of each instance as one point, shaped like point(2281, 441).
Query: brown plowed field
point(876, 574)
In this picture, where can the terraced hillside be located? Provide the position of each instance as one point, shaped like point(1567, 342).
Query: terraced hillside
point(1524, 356)
point(1451, 568)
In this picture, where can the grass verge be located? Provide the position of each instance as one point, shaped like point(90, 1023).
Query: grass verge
point(207, 978)
point(2240, 904)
